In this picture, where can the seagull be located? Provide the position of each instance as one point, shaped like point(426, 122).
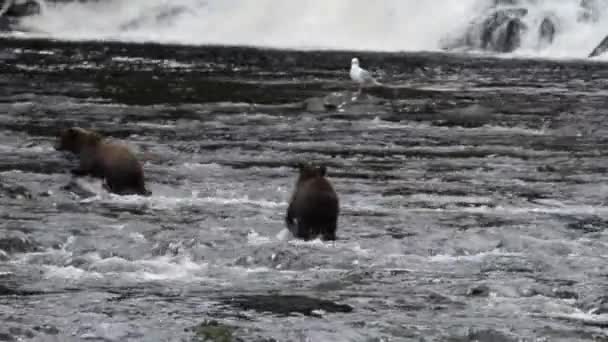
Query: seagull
point(361, 76)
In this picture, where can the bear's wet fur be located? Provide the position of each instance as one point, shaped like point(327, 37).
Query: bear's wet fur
point(113, 162)
point(314, 206)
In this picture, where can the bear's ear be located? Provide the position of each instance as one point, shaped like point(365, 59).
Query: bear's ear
point(72, 131)
point(301, 166)
point(322, 170)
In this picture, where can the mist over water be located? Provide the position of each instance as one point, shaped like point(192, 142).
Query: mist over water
point(386, 25)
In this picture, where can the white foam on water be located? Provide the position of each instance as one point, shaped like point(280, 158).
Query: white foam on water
point(581, 316)
point(167, 202)
point(169, 268)
point(388, 25)
point(563, 209)
point(70, 273)
point(283, 235)
point(445, 258)
point(254, 238)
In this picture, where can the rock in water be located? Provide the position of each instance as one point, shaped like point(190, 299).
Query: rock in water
point(501, 31)
point(16, 242)
point(12, 8)
point(498, 31)
point(11, 11)
point(547, 32)
point(285, 305)
point(600, 49)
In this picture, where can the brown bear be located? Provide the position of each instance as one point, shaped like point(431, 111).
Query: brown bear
point(314, 207)
point(113, 162)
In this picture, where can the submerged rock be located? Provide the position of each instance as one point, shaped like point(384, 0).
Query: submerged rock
point(483, 335)
point(330, 102)
point(595, 305)
point(14, 191)
point(13, 291)
point(469, 117)
point(214, 331)
point(286, 305)
point(478, 291)
point(16, 242)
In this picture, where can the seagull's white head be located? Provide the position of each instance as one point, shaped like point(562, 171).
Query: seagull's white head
point(354, 62)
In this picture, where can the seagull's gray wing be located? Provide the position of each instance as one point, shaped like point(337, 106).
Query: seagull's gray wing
point(367, 78)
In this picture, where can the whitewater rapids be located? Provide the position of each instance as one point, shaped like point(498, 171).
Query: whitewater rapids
point(387, 25)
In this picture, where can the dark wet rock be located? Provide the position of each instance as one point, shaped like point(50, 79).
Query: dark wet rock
point(330, 102)
point(547, 291)
point(9, 291)
point(547, 31)
point(335, 101)
point(22, 9)
point(469, 117)
point(600, 48)
point(7, 337)
point(47, 193)
point(564, 294)
point(398, 233)
point(14, 191)
point(546, 168)
point(214, 331)
point(47, 329)
point(21, 332)
point(498, 31)
point(478, 291)
point(16, 242)
point(591, 224)
point(502, 31)
point(314, 105)
point(601, 308)
point(487, 335)
point(6, 24)
point(285, 305)
point(595, 305)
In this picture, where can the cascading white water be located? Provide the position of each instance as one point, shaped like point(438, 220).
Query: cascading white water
point(388, 25)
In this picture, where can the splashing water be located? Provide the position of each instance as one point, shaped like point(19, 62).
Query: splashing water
point(387, 25)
